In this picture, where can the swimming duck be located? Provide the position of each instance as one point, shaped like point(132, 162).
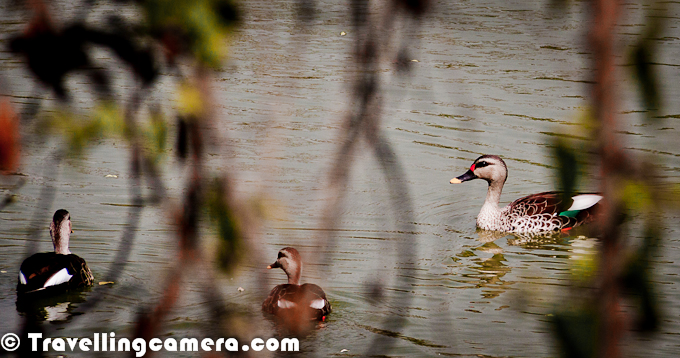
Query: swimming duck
point(533, 214)
point(289, 301)
point(58, 270)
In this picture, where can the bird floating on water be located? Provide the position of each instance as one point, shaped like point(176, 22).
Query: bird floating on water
point(534, 214)
point(292, 301)
point(55, 271)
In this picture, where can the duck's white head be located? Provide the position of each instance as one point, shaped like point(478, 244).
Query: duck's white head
point(488, 167)
point(60, 231)
point(290, 262)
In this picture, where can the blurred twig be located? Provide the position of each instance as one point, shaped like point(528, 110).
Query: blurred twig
point(364, 121)
point(613, 163)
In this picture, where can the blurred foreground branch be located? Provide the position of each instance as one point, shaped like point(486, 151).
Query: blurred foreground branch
point(630, 188)
point(373, 34)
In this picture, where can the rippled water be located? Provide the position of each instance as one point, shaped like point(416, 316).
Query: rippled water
point(492, 77)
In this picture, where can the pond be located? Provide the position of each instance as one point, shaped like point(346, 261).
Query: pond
point(490, 77)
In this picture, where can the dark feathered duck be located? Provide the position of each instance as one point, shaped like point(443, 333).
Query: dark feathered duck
point(55, 271)
point(534, 214)
point(292, 301)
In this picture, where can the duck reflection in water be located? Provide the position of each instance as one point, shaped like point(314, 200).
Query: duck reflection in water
point(59, 308)
point(487, 272)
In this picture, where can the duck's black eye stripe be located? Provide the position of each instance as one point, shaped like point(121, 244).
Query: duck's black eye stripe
point(481, 164)
point(280, 255)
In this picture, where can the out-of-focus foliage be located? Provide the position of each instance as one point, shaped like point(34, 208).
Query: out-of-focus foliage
point(182, 144)
point(156, 136)
point(9, 138)
point(51, 54)
point(645, 75)
point(642, 57)
point(575, 323)
point(595, 324)
point(637, 282)
point(584, 260)
point(637, 197)
point(80, 131)
point(568, 169)
point(571, 151)
point(189, 101)
point(105, 121)
point(230, 244)
point(194, 29)
point(576, 330)
point(197, 30)
point(198, 27)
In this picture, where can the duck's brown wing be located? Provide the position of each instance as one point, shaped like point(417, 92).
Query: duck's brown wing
point(549, 202)
point(283, 292)
point(82, 274)
point(317, 299)
point(552, 203)
point(308, 301)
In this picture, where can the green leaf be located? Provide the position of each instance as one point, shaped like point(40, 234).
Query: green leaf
point(226, 224)
point(576, 332)
point(637, 197)
point(643, 58)
point(156, 136)
point(205, 24)
point(567, 168)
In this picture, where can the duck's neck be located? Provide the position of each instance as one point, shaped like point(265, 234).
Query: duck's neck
point(493, 197)
point(490, 215)
point(294, 276)
point(60, 240)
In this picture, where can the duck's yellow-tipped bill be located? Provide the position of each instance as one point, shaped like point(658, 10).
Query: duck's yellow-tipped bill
point(455, 181)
